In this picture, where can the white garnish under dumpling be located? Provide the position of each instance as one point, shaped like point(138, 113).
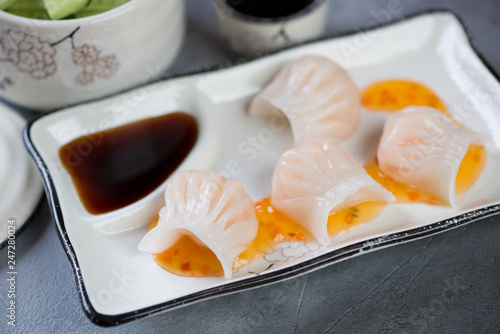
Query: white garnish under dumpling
point(318, 178)
point(318, 97)
point(422, 147)
point(214, 210)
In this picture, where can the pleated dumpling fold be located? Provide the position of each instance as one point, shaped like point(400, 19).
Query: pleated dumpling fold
point(422, 147)
point(317, 178)
point(212, 209)
point(317, 96)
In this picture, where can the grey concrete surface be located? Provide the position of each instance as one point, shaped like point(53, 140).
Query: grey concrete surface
point(447, 283)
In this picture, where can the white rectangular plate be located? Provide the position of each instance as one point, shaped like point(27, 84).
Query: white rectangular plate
point(118, 283)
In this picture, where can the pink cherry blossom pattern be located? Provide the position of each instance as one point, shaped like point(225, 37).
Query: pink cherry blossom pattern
point(107, 66)
point(84, 78)
point(85, 55)
point(93, 64)
point(29, 54)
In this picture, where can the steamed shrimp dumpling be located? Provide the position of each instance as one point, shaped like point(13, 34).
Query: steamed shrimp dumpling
point(212, 209)
point(422, 147)
point(317, 96)
point(318, 178)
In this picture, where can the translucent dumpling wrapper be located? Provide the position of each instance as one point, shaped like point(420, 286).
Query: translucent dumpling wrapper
point(422, 147)
point(214, 210)
point(317, 96)
point(318, 178)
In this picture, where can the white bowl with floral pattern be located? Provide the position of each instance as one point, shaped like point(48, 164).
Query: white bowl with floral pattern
point(46, 65)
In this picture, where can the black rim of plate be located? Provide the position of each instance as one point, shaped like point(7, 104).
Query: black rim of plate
point(262, 279)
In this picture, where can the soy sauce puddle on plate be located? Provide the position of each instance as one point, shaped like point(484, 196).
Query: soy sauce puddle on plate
point(117, 167)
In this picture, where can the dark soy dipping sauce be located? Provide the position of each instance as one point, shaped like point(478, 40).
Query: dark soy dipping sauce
point(117, 167)
point(269, 8)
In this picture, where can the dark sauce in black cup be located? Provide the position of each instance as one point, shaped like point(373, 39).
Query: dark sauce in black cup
point(269, 9)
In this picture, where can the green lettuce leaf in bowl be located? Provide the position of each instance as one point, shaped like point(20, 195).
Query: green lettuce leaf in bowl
point(58, 9)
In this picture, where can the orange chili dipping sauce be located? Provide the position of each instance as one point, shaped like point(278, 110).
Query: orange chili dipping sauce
point(393, 95)
point(274, 228)
point(188, 258)
point(470, 169)
point(343, 220)
point(403, 193)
